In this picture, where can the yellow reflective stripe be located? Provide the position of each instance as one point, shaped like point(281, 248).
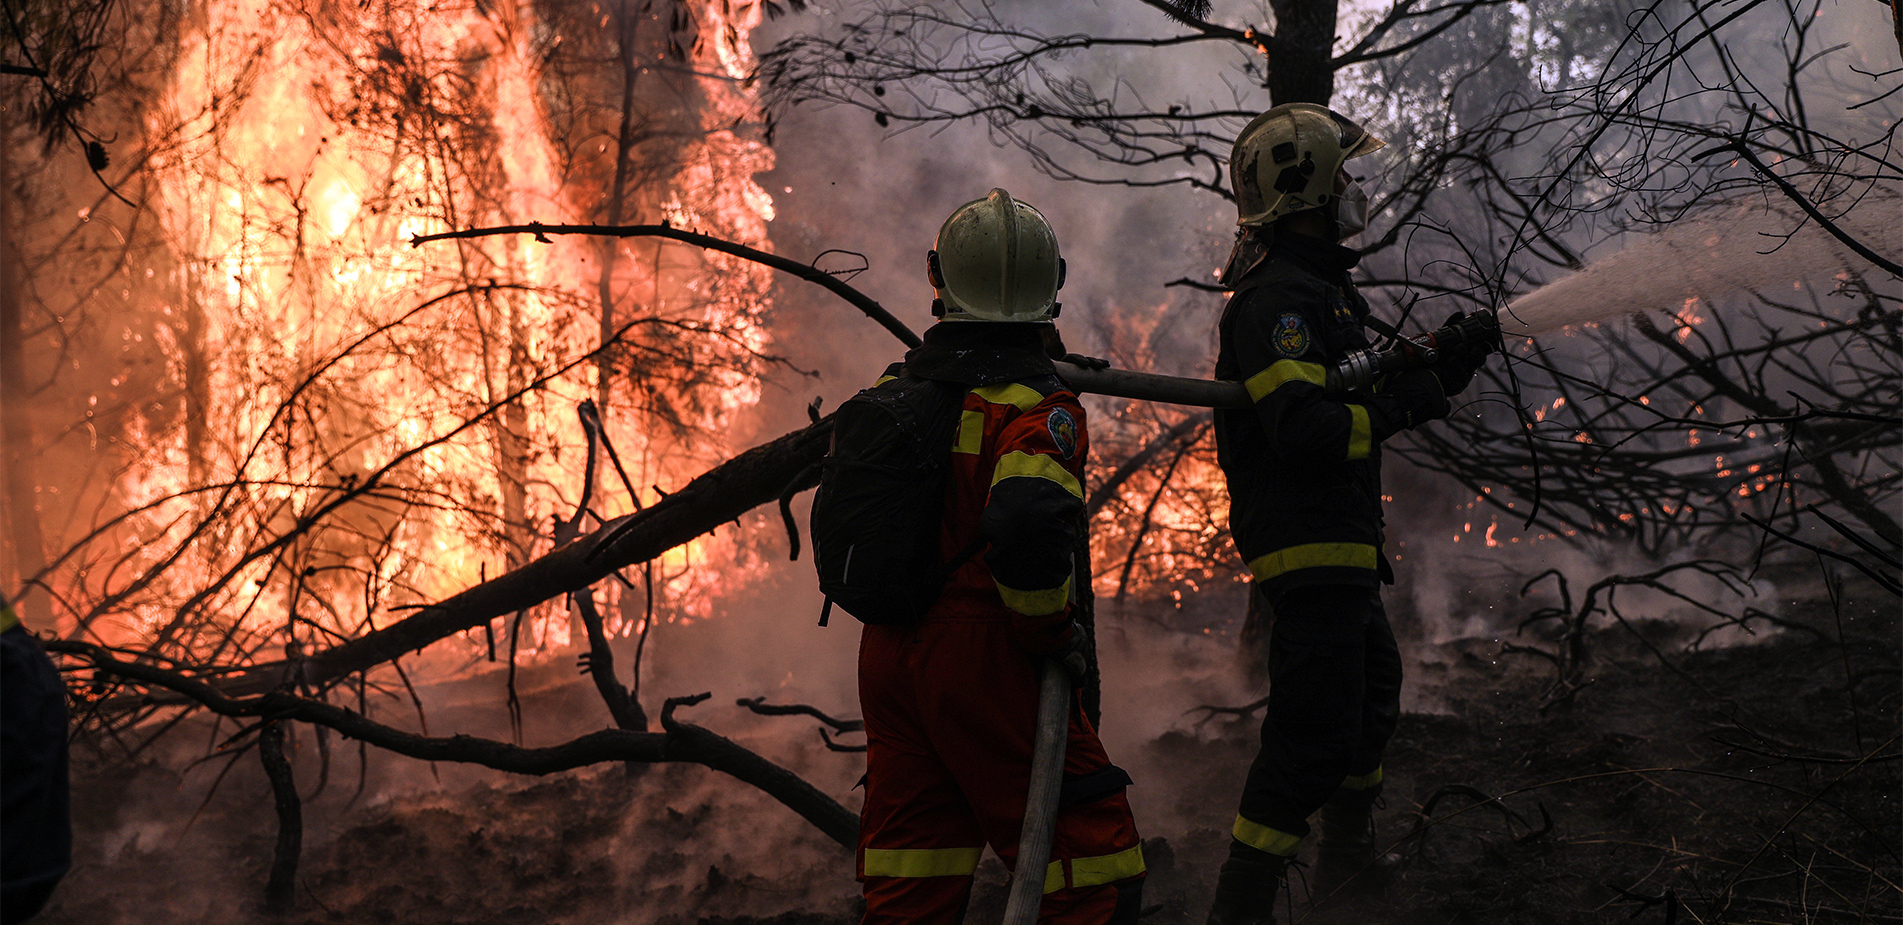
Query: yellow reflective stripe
point(921, 862)
point(1097, 871)
point(1035, 603)
point(1280, 371)
point(971, 433)
point(1360, 432)
point(1352, 555)
point(1054, 877)
point(1010, 393)
point(883, 380)
point(1366, 781)
point(1018, 463)
point(8, 619)
point(1261, 837)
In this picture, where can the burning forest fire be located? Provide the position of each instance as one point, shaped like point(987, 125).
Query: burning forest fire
point(324, 423)
point(367, 369)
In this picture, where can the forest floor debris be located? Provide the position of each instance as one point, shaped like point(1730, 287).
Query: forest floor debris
point(1761, 786)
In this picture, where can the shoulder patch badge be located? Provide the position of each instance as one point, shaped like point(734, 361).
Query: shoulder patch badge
point(1063, 430)
point(1291, 334)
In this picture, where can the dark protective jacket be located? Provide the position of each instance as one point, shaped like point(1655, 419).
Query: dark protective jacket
point(1303, 465)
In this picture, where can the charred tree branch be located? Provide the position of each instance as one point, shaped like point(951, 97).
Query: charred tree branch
point(681, 741)
point(805, 271)
point(760, 706)
point(1887, 582)
point(281, 890)
point(718, 496)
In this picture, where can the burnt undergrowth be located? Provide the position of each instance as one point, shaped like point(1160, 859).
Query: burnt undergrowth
point(1750, 783)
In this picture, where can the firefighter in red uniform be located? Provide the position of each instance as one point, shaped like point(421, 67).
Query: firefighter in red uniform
point(1304, 473)
point(950, 702)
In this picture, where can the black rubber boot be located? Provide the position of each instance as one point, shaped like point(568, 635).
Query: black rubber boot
point(1246, 887)
point(1345, 860)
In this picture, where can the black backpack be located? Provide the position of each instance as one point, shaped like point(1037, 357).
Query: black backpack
point(881, 499)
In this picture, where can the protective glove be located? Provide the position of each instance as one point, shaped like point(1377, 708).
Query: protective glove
point(1455, 371)
point(1456, 366)
point(1076, 658)
point(1411, 398)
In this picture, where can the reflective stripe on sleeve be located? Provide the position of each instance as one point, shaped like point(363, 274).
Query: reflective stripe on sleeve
point(1035, 465)
point(1035, 603)
point(1261, 837)
point(883, 380)
point(1360, 432)
point(8, 619)
point(1313, 555)
point(1367, 781)
point(1010, 393)
point(920, 862)
point(1097, 871)
point(1281, 371)
point(971, 433)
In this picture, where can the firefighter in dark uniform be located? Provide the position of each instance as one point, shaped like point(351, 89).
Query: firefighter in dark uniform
point(1304, 473)
point(950, 702)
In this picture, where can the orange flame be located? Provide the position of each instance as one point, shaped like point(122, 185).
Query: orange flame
point(291, 159)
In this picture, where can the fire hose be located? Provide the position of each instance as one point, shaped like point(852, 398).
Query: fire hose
point(1040, 808)
point(1359, 370)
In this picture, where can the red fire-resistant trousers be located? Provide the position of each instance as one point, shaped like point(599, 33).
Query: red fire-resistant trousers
point(950, 708)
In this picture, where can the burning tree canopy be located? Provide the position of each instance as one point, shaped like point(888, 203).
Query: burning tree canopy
point(311, 417)
point(302, 374)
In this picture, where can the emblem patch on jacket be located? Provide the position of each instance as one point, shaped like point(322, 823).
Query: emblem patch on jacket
point(1063, 430)
point(1338, 301)
point(1291, 334)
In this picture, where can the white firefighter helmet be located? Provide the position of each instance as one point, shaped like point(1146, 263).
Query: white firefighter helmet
point(1285, 161)
point(996, 260)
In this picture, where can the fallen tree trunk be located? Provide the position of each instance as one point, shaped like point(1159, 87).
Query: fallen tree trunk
point(719, 495)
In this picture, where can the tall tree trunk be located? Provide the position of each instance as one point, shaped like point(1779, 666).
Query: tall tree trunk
point(26, 545)
point(626, 29)
point(1300, 51)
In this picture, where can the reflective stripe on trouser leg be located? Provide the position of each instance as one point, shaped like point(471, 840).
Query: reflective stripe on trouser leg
point(1099, 861)
point(918, 840)
point(1332, 673)
point(1266, 838)
point(968, 683)
point(1077, 873)
point(1362, 782)
point(919, 862)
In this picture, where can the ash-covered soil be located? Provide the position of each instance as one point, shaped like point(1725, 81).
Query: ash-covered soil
point(1750, 784)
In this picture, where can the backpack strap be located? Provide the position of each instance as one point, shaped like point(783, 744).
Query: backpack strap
point(963, 556)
